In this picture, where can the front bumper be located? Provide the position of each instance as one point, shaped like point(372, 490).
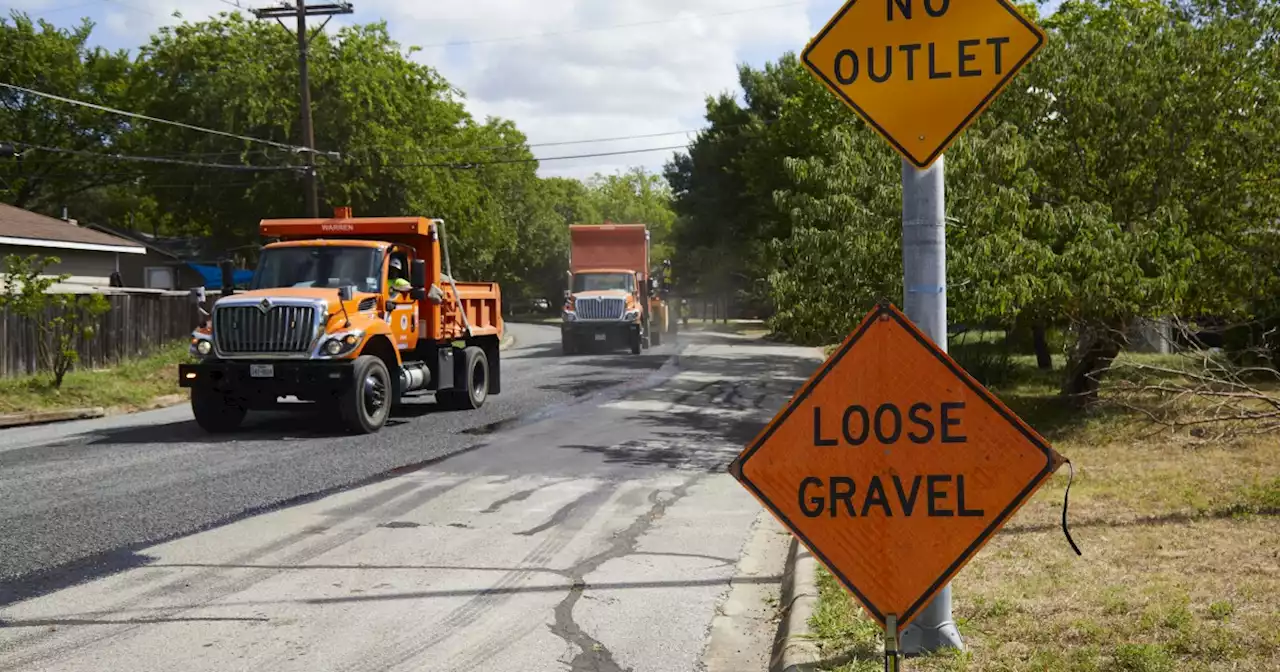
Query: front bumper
point(609, 333)
point(305, 380)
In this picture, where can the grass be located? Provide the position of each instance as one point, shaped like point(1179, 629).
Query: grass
point(1181, 564)
point(132, 385)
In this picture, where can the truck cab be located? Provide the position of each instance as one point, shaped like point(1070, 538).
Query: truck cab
point(351, 315)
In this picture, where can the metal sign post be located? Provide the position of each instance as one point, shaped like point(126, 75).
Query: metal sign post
point(924, 286)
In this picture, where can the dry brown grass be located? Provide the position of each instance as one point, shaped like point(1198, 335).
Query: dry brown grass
point(1181, 566)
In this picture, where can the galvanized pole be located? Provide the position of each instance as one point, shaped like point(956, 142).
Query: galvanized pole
point(924, 283)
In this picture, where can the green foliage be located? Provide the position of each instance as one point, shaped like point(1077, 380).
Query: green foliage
point(41, 56)
point(1143, 658)
point(58, 320)
point(1124, 174)
point(635, 196)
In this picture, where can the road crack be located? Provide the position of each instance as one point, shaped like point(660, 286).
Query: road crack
point(592, 655)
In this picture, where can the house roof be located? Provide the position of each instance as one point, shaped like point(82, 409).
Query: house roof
point(137, 240)
point(23, 227)
point(181, 248)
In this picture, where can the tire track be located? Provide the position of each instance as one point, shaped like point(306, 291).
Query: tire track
point(213, 584)
point(594, 656)
point(410, 645)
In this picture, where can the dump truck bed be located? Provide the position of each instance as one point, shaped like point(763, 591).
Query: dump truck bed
point(482, 302)
point(599, 246)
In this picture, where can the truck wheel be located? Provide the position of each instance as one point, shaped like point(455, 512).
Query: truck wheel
point(567, 344)
point(215, 412)
point(636, 342)
point(367, 401)
point(475, 376)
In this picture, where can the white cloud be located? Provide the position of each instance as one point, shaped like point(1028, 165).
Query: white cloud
point(582, 81)
point(583, 78)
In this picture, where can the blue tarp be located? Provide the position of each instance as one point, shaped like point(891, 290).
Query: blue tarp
point(213, 276)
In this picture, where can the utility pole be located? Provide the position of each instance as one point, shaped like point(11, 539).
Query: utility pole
point(300, 10)
point(924, 285)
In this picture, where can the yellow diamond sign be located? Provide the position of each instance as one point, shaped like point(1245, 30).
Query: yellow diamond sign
point(920, 71)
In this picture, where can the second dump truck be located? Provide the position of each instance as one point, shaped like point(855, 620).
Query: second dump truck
point(612, 300)
point(352, 314)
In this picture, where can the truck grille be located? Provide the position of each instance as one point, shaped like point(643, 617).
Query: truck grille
point(592, 308)
point(241, 330)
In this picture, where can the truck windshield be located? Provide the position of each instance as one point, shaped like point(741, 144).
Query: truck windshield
point(320, 267)
point(591, 282)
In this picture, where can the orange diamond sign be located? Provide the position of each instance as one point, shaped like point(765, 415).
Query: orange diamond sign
point(920, 71)
point(894, 466)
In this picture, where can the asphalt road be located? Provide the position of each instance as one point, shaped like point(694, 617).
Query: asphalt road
point(591, 527)
point(89, 492)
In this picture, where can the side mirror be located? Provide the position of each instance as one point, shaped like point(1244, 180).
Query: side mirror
point(228, 277)
point(418, 275)
point(418, 293)
point(198, 296)
point(346, 293)
point(568, 295)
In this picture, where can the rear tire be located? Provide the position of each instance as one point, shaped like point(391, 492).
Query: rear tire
point(366, 403)
point(474, 377)
point(215, 412)
point(655, 339)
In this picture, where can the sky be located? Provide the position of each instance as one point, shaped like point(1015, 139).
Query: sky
point(563, 70)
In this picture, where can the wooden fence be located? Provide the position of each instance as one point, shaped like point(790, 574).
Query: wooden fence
point(137, 325)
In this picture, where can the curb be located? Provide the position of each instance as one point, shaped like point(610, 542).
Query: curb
point(794, 649)
point(42, 417)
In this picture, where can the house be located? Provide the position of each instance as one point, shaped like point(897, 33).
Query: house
point(88, 256)
point(164, 266)
point(174, 263)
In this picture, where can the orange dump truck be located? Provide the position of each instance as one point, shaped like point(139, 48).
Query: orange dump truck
point(352, 314)
point(610, 299)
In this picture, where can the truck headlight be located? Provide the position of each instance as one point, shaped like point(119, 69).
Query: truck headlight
point(340, 344)
point(570, 316)
point(630, 315)
point(201, 344)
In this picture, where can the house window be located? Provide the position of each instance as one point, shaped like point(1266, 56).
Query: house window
point(159, 277)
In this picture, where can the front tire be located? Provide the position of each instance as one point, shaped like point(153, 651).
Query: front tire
point(567, 346)
point(636, 342)
point(215, 412)
point(367, 401)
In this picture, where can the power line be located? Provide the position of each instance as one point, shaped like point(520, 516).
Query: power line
point(135, 115)
point(489, 162)
point(463, 43)
point(260, 169)
point(155, 159)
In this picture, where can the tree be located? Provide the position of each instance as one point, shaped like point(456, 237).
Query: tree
point(42, 57)
point(1117, 178)
point(58, 320)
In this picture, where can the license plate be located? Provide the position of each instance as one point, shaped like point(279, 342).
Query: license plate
point(262, 371)
point(600, 337)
